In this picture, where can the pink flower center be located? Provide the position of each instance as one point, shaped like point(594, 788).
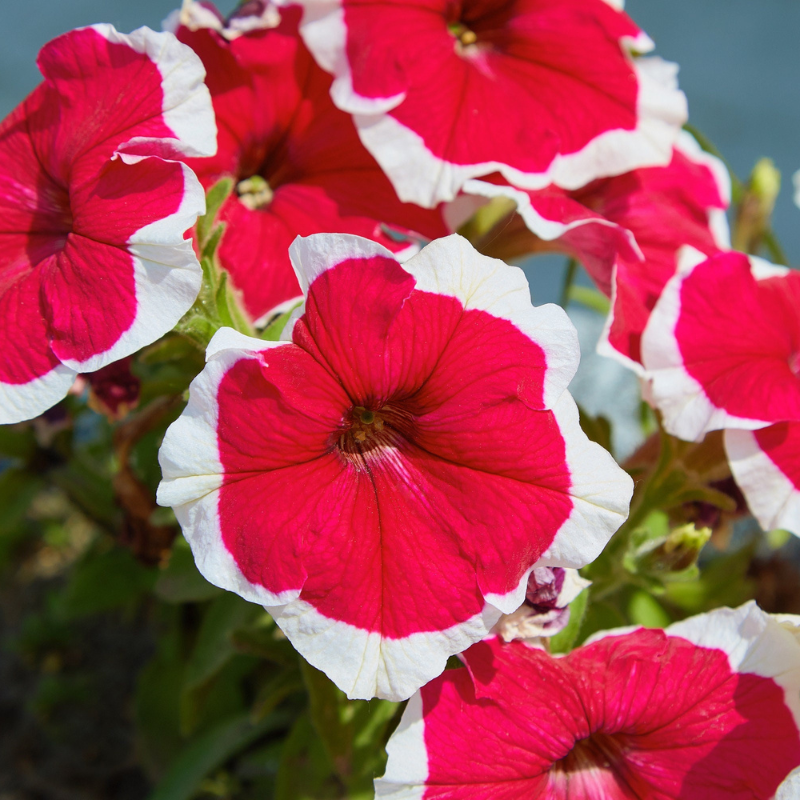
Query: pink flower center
point(590, 769)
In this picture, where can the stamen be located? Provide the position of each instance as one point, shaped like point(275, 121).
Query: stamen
point(465, 36)
point(254, 193)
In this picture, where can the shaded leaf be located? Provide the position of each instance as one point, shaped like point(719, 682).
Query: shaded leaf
point(565, 639)
point(210, 751)
point(180, 581)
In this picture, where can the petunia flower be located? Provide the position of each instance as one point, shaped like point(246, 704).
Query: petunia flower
point(545, 610)
point(627, 231)
point(385, 481)
point(766, 466)
point(722, 346)
point(296, 160)
point(541, 92)
point(93, 210)
point(707, 709)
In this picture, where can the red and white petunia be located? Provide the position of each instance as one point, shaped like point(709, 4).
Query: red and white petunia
point(93, 210)
point(543, 92)
point(627, 231)
point(297, 162)
point(722, 346)
point(385, 482)
point(766, 466)
point(706, 710)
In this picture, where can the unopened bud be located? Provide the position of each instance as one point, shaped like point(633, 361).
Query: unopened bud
point(676, 552)
point(753, 220)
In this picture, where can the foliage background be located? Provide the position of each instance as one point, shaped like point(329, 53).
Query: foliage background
point(122, 676)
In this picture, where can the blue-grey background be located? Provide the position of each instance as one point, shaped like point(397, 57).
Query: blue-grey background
point(739, 68)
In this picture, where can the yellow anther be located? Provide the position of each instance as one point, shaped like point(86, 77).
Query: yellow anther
point(254, 193)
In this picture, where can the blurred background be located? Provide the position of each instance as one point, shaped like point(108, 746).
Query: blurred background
point(83, 656)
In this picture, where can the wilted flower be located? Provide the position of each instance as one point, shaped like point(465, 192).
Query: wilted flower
point(93, 210)
point(705, 710)
point(385, 482)
point(545, 610)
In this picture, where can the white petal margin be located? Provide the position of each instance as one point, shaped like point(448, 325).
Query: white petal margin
point(21, 401)
point(546, 229)
point(790, 788)
point(687, 411)
point(421, 177)
point(166, 271)
point(601, 492)
point(717, 224)
point(192, 472)
point(771, 495)
point(754, 642)
point(325, 34)
point(407, 767)
point(452, 267)
point(365, 664)
point(186, 106)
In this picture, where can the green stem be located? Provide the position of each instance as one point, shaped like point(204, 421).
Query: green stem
point(569, 279)
point(774, 248)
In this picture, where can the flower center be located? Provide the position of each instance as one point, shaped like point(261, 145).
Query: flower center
point(254, 193)
point(590, 769)
point(463, 35)
point(366, 424)
point(369, 432)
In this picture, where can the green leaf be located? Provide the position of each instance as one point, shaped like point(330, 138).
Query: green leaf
point(180, 581)
point(89, 488)
point(229, 306)
point(565, 639)
point(598, 429)
point(305, 771)
point(601, 615)
point(349, 729)
point(17, 441)
point(18, 487)
point(107, 581)
point(214, 645)
point(210, 751)
point(273, 331)
point(722, 582)
point(157, 701)
point(215, 197)
point(274, 691)
point(266, 641)
point(645, 610)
